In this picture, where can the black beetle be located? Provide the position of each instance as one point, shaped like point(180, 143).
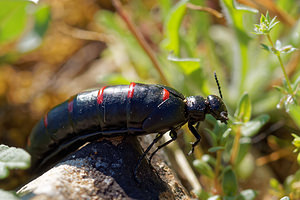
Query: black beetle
point(134, 109)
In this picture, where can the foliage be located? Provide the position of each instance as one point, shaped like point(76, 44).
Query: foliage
point(189, 43)
point(15, 18)
point(11, 158)
point(231, 145)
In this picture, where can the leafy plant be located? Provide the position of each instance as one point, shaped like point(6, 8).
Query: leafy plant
point(264, 28)
point(231, 145)
point(11, 158)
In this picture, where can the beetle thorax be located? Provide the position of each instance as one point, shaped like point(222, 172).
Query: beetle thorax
point(196, 108)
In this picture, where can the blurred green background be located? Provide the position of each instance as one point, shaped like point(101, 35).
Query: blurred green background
point(54, 49)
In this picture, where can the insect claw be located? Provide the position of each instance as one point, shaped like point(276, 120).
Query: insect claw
point(191, 151)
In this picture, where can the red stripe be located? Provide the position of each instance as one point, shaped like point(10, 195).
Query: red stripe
point(166, 94)
point(46, 120)
point(100, 95)
point(70, 105)
point(131, 90)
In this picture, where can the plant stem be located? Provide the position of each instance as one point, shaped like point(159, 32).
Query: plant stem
point(282, 67)
point(206, 9)
point(217, 171)
point(236, 146)
point(141, 40)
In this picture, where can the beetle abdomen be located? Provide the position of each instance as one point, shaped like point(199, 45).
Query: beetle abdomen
point(110, 108)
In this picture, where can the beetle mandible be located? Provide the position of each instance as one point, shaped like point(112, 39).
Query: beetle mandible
point(137, 109)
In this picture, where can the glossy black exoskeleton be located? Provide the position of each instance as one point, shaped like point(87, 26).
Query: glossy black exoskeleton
point(134, 109)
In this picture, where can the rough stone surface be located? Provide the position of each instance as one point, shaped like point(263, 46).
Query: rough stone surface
point(104, 170)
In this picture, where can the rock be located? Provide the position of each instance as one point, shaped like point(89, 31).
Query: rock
point(104, 170)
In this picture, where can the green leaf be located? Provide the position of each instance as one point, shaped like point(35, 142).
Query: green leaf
point(229, 182)
point(13, 19)
point(172, 26)
point(188, 65)
point(294, 112)
point(225, 136)
point(280, 89)
point(247, 195)
point(12, 158)
point(7, 195)
point(214, 149)
point(267, 18)
point(252, 127)
point(203, 168)
point(33, 38)
point(243, 112)
point(267, 48)
point(263, 18)
point(42, 18)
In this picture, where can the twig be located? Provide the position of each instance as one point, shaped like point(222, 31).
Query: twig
point(273, 156)
point(206, 9)
point(139, 37)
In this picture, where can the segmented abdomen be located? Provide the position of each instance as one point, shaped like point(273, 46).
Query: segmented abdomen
point(109, 108)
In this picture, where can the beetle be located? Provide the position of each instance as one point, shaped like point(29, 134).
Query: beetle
point(135, 109)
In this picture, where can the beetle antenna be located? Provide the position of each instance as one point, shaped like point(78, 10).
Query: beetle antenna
point(219, 88)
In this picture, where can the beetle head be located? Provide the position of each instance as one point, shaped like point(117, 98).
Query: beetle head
point(217, 108)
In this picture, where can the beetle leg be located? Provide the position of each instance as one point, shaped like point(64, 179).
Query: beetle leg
point(173, 135)
point(197, 136)
point(156, 139)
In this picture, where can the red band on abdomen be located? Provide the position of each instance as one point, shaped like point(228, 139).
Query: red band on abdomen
point(46, 120)
point(166, 94)
point(131, 90)
point(70, 105)
point(100, 95)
